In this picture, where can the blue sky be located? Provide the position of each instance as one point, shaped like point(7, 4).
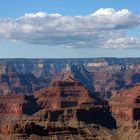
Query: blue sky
point(19, 46)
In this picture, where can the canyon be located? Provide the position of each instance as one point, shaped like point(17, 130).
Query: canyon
point(55, 99)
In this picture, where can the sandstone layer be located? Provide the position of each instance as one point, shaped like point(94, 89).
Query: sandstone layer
point(63, 110)
point(125, 104)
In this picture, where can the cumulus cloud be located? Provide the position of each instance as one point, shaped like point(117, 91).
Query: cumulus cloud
point(104, 28)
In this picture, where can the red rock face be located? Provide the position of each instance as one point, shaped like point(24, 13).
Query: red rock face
point(64, 107)
point(68, 96)
point(67, 93)
point(13, 82)
point(64, 94)
point(6, 129)
point(125, 104)
point(17, 104)
point(11, 104)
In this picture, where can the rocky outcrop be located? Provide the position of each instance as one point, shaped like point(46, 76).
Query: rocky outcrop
point(13, 82)
point(47, 124)
point(59, 129)
point(64, 94)
point(112, 78)
point(125, 104)
point(97, 75)
point(70, 94)
point(18, 104)
point(65, 109)
point(80, 73)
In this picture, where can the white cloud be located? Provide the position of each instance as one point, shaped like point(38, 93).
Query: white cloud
point(116, 19)
point(123, 42)
point(103, 28)
point(40, 15)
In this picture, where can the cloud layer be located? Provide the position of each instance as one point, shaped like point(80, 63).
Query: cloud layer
point(104, 28)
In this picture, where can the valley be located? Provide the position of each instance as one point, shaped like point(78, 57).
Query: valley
point(85, 99)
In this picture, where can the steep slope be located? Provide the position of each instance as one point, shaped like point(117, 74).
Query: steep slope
point(125, 104)
point(103, 75)
point(125, 107)
point(66, 111)
point(80, 73)
point(18, 104)
point(13, 82)
point(112, 78)
point(65, 93)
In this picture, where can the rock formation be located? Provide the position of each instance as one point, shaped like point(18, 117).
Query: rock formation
point(63, 110)
point(125, 104)
point(13, 82)
point(80, 73)
point(99, 75)
point(18, 104)
point(125, 107)
point(68, 108)
point(64, 94)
